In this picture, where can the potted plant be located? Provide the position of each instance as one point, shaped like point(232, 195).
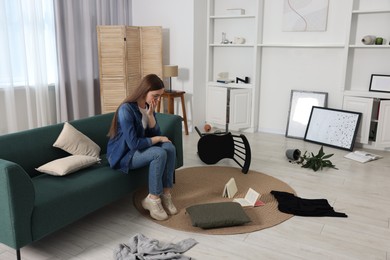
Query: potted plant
point(316, 162)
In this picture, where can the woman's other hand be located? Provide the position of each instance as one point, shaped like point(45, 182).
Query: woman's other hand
point(160, 139)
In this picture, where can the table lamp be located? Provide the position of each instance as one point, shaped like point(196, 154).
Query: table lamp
point(170, 71)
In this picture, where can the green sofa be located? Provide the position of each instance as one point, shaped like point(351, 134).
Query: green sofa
point(33, 205)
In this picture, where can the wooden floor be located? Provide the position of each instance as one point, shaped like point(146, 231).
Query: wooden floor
point(360, 190)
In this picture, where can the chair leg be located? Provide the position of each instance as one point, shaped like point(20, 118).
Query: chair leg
point(18, 254)
point(183, 107)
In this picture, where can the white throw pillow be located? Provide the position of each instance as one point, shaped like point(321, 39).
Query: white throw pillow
point(67, 165)
point(74, 142)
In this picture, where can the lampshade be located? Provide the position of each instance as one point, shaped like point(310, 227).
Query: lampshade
point(170, 71)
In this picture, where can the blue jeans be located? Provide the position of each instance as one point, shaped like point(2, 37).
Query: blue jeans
point(161, 159)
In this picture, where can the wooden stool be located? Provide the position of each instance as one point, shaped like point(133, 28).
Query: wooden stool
point(171, 96)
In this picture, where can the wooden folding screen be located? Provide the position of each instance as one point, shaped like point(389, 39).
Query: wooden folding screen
point(126, 54)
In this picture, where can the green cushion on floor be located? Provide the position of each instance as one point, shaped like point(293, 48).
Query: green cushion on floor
point(220, 214)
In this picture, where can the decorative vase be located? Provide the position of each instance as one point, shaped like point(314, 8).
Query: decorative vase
point(224, 40)
point(379, 41)
point(368, 39)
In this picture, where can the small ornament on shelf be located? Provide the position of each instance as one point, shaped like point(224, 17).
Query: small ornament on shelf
point(369, 40)
point(245, 80)
point(379, 41)
point(239, 40)
point(224, 39)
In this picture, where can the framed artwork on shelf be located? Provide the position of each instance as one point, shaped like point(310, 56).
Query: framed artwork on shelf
point(380, 83)
point(333, 127)
point(301, 103)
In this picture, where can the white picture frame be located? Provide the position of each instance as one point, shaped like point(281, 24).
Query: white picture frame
point(301, 102)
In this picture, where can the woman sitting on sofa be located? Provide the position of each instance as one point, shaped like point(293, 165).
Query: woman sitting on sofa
point(136, 141)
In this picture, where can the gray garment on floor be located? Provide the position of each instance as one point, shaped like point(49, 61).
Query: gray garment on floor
point(141, 247)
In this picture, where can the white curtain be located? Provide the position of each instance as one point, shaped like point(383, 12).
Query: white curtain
point(27, 64)
point(48, 59)
point(76, 21)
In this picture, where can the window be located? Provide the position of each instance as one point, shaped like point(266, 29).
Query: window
point(27, 43)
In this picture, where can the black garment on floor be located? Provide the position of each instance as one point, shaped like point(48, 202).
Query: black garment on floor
point(291, 204)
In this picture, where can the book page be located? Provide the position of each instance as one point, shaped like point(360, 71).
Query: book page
point(243, 202)
point(250, 198)
point(230, 189)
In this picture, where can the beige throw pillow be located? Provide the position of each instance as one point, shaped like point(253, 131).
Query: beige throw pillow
point(67, 165)
point(74, 142)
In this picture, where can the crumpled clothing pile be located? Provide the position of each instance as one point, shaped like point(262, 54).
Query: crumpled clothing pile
point(143, 248)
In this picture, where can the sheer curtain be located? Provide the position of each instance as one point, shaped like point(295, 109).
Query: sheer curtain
point(76, 21)
point(27, 64)
point(48, 67)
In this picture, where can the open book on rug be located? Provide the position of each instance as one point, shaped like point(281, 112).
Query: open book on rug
point(230, 189)
point(362, 156)
point(250, 199)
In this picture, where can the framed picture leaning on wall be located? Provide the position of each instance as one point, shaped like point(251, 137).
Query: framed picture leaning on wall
point(301, 102)
point(333, 127)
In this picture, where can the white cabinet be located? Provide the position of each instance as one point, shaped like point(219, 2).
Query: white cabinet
point(216, 105)
point(374, 130)
point(240, 108)
point(383, 131)
point(232, 114)
point(232, 49)
point(364, 106)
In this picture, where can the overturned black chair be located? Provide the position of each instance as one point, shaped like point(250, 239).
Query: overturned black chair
point(214, 147)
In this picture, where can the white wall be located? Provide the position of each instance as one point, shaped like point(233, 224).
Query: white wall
point(179, 30)
point(199, 85)
point(311, 69)
point(282, 69)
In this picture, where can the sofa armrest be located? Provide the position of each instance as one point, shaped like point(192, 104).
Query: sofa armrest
point(17, 197)
point(171, 126)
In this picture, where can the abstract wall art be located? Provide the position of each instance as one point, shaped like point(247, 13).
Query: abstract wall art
point(305, 15)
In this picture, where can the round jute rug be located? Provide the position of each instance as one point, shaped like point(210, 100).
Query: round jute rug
point(197, 185)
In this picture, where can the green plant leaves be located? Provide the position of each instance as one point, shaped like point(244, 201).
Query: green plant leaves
point(316, 162)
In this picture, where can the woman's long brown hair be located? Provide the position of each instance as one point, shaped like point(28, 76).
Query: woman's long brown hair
point(150, 82)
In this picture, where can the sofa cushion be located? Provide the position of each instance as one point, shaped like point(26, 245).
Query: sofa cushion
point(59, 202)
point(74, 142)
point(67, 165)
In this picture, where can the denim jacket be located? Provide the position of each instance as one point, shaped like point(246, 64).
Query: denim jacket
point(130, 137)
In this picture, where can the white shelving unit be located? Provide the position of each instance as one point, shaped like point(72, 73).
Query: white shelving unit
point(233, 105)
point(369, 18)
point(258, 56)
